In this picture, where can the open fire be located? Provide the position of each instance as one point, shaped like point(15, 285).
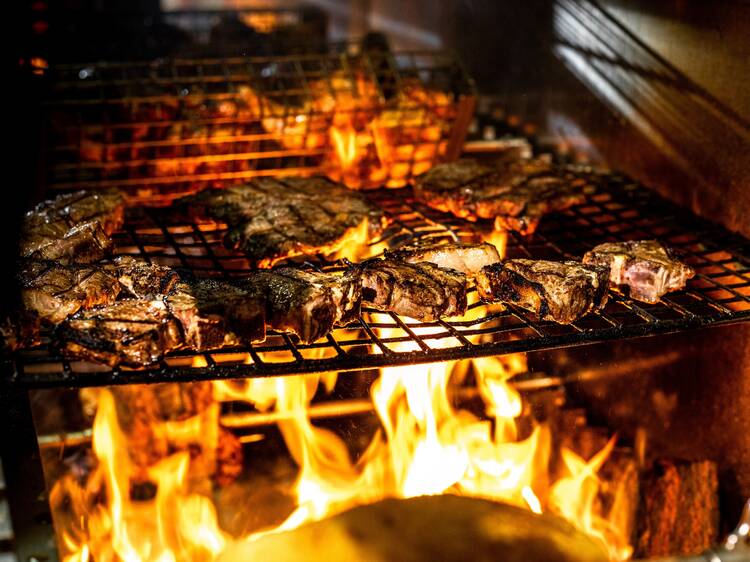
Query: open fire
point(425, 446)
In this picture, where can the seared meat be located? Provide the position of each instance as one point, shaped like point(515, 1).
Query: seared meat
point(73, 227)
point(646, 267)
point(213, 313)
point(53, 291)
point(130, 332)
point(142, 279)
point(466, 258)
point(516, 192)
point(422, 291)
point(306, 303)
point(559, 291)
point(274, 218)
point(18, 330)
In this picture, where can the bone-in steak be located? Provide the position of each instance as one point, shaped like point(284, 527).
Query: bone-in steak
point(73, 227)
point(274, 218)
point(466, 258)
point(53, 291)
point(422, 291)
point(516, 192)
point(559, 291)
point(646, 267)
point(134, 333)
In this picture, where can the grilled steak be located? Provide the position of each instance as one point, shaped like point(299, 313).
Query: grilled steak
point(466, 258)
point(134, 333)
point(559, 291)
point(213, 313)
point(516, 192)
point(142, 279)
point(53, 291)
point(422, 291)
point(646, 267)
point(73, 227)
point(270, 219)
point(305, 303)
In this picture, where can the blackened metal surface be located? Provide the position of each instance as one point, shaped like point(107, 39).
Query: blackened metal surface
point(616, 209)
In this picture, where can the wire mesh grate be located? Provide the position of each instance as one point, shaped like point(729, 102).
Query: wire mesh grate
point(616, 209)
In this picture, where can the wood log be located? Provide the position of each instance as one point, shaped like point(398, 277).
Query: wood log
point(679, 511)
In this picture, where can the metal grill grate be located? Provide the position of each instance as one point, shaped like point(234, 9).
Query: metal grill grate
point(616, 209)
point(169, 127)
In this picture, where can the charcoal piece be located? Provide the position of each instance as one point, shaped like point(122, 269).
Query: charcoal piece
point(275, 218)
point(517, 192)
point(466, 258)
point(133, 333)
point(213, 313)
point(647, 268)
point(305, 303)
point(422, 291)
point(53, 291)
point(559, 291)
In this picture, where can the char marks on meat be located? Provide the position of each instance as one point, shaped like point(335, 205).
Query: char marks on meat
point(213, 313)
point(133, 333)
point(73, 227)
point(142, 279)
point(305, 303)
point(646, 267)
point(515, 191)
point(423, 291)
point(559, 291)
point(53, 291)
point(271, 219)
point(466, 258)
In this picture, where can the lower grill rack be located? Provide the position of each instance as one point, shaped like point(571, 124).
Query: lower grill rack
point(616, 209)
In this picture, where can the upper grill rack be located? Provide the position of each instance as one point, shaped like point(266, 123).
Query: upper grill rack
point(616, 209)
point(168, 127)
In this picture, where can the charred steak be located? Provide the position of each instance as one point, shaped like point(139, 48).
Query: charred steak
point(559, 291)
point(422, 291)
point(466, 258)
point(516, 192)
point(271, 219)
point(142, 279)
point(73, 227)
point(646, 267)
point(133, 333)
point(53, 291)
point(213, 313)
point(305, 303)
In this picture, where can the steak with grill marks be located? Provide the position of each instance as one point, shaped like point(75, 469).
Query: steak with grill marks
point(213, 313)
point(559, 291)
point(142, 279)
point(646, 267)
point(516, 192)
point(305, 303)
point(53, 291)
point(271, 219)
point(133, 333)
point(422, 291)
point(73, 227)
point(466, 258)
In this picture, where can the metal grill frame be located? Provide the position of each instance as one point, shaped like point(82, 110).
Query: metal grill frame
point(616, 209)
point(165, 128)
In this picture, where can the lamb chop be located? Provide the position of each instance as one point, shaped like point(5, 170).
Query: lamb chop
point(422, 291)
point(142, 279)
point(134, 333)
point(213, 313)
point(466, 258)
point(646, 267)
point(305, 303)
point(53, 291)
point(275, 218)
point(73, 227)
point(559, 291)
point(515, 191)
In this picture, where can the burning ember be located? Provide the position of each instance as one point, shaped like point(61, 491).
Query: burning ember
point(425, 446)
